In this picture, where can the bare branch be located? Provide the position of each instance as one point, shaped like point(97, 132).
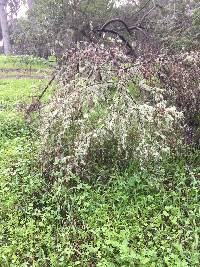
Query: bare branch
point(146, 15)
point(143, 7)
point(137, 27)
point(134, 28)
point(47, 86)
point(116, 20)
point(121, 37)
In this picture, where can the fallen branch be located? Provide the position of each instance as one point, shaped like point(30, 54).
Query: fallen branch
point(36, 100)
point(47, 86)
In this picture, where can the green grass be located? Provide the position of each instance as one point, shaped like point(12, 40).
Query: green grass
point(14, 91)
point(23, 62)
point(136, 220)
point(139, 219)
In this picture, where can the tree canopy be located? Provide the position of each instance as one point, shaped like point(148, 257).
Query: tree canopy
point(52, 26)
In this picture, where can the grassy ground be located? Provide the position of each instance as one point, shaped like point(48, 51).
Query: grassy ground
point(24, 67)
point(140, 218)
point(23, 62)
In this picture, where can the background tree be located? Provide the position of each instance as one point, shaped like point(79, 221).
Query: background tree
point(53, 26)
point(4, 27)
point(12, 6)
point(1, 33)
point(30, 4)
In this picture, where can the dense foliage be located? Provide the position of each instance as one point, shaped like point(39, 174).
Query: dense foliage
point(178, 76)
point(140, 218)
point(52, 27)
point(99, 156)
point(105, 115)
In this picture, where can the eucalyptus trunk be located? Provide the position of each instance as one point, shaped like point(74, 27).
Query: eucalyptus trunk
point(30, 3)
point(5, 28)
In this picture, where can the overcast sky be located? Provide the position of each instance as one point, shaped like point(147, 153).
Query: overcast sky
point(22, 11)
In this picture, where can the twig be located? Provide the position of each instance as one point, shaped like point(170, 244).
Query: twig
point(143, 7)
point(145, 15)
point(47, 86)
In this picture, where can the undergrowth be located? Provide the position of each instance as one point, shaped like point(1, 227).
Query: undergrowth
point(147, 217)
point(138, 219)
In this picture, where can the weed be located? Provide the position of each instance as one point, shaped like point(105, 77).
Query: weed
point(138, 218)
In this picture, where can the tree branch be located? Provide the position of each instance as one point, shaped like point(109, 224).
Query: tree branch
point(116, 20)
point(146, 15)
point(137, 27)
point(121, 37)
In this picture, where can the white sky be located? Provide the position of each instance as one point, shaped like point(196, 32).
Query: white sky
point(22, 11)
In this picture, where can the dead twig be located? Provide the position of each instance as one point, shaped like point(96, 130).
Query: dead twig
point(47, 86)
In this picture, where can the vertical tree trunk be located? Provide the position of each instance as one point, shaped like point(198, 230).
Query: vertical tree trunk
point(4, 27)
point(30, 4)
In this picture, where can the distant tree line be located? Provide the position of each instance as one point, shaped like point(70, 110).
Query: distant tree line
point(52, 26)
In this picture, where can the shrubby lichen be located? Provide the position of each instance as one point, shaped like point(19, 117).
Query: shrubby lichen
point(94, 123)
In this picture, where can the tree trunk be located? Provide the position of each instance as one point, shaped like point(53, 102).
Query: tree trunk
point(4, 27)
point(30, 4)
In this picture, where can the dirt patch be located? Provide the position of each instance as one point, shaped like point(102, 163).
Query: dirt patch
point(24, 73)
point(21, 76)
point(24, 70)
